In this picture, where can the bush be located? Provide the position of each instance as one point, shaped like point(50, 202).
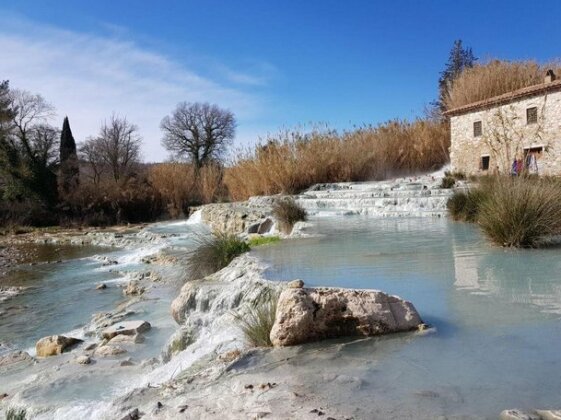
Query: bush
point(448, 182)
point(288, 212)
point(466, 205)
point(16, 414)
point(522, 212)
point(458, 175)
point(214, 253)
point(258, 322)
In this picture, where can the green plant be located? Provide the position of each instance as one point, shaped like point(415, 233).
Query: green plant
point(457, 175)
point(288, 212)
point(213, 253)
point(448, 182)
point(465, 205)
point(521, 212)
point(262, 240)
point(16, 414)
point(257, 323)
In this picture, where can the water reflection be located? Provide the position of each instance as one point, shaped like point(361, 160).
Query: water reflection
point(495, 312)
point(515, 277)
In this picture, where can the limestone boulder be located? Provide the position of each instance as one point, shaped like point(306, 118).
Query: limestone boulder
point(108, 351)
point(133, 289)
point(305, 315)
point(126, 339)
point(54, 345)
point(126, 328)
point(15, 358)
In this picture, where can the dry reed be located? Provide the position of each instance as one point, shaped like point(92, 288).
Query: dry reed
point(292, 161)
point(493, 78)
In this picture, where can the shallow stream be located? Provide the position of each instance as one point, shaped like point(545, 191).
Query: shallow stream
point(496, 315)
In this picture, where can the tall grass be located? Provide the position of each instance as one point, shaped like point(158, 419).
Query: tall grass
point(257, 323)
point(213, 253)
point(465, 205)
point(287, 212)
point(493, 78)
point(513, 212)
point(181, 186)
point(522, 212)
point(292, 161)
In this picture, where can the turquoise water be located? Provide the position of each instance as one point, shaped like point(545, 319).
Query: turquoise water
point(59, 297)
point(496, 313)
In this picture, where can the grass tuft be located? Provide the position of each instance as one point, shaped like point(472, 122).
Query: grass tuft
point(465, 206)
point(522, 212)
point(16, 414)
point(213, 253)
point(257, 323)
point(513, 212)
point(448, 182)
point(288, 212)
point(262, 240)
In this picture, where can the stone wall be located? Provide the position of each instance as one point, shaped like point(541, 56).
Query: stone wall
point(508, 122)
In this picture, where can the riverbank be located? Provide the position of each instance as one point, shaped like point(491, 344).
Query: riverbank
point(489, 308)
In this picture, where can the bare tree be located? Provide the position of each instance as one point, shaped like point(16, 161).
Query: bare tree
point(44, 140)
point(199, 132)
point(507, 133)
point(117, 148)
point(27, 146)
point(91, 153)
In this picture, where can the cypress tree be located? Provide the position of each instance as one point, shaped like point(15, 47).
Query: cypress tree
point(460, 58)
point(69, 175)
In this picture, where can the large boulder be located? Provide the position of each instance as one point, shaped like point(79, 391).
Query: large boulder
point(305, 315)
point(126, 328)
point(54, 345)
point(234, 218)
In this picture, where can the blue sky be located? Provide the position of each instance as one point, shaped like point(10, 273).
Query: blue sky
point(273, 63)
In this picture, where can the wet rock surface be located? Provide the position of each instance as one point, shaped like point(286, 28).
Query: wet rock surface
point(55, 345)
point(236, 218)
point(305, 315)
point(15, 358)
point(126, 328)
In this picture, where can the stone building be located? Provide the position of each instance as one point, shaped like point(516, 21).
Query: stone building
point(518, 131)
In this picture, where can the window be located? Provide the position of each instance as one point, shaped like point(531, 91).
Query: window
point(485, 163)
point(532, 115)
point(477, 129)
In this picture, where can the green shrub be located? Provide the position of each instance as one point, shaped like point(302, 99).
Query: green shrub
point(257, 323)
point(16, 414)
point(262, 240)
point(521, 212)
point(214, 253)
point(288, 212)
point(466, 205)
point(448, 182)
point(458, 175)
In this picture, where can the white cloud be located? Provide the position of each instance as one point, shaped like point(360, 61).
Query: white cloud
point(88, 77)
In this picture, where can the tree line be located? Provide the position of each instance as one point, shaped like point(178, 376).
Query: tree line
point(44, 172)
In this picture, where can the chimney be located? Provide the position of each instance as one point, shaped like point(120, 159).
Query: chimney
point(550, 76)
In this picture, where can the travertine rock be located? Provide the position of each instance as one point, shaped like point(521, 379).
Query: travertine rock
point(15, 358)
point(107, 350)
point(53, 345)
point(305, 315)
point(126, 328)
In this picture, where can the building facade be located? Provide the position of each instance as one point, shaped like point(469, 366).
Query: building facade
point(519, 132)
